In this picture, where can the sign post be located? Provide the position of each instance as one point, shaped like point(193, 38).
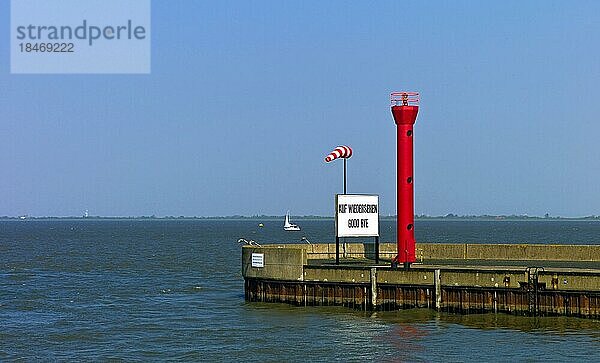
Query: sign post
point(343, 152)
point(356, 215)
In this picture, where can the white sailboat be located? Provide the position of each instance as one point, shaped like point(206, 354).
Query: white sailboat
point(287, 226)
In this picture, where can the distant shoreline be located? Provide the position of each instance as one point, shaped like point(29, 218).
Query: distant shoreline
point(498, 218)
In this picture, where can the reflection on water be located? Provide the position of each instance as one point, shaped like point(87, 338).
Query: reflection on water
point(425, 335)
point(405, 339)
point(557, 325)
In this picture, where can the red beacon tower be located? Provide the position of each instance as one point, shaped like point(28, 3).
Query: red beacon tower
point(405, 106)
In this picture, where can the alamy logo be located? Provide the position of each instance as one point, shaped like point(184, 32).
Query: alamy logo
point(74, 36)
point(90, 33)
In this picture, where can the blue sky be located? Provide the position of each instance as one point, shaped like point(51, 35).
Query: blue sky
point(246, 98)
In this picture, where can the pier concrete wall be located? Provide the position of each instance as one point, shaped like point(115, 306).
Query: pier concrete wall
point(533, 252)
point(460, 251)
point(279, 263)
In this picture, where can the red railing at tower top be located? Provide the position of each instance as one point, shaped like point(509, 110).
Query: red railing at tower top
point(404, 98)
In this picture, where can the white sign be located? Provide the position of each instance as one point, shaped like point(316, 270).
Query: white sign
point(356, 215)
point(258, 260)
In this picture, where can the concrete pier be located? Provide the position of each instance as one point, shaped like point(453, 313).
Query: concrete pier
point(464, 278)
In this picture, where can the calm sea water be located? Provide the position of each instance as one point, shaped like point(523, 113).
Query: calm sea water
point(172, 290)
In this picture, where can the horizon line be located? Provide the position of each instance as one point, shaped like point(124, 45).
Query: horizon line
point(236, 216)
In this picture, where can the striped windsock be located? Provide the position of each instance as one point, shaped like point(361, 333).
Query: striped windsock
point(339, 152)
